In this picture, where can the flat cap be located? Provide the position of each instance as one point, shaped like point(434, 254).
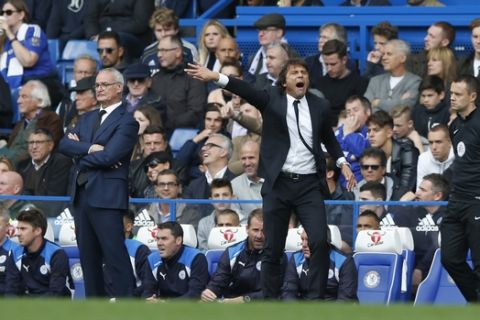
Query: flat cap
point(84, 84)
point(271, 20)
point(136, 71)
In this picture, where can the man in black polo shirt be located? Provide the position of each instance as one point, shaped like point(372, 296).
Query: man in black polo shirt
point(461, 223)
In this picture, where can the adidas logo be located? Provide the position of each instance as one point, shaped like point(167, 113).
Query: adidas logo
point(387, 221)
point(426, 224)
point(143, 219)
point(64, 217)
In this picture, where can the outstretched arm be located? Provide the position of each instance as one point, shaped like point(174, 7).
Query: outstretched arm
point(257, 98)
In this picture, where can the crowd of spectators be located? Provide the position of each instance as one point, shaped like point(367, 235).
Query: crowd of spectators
point(391, 122)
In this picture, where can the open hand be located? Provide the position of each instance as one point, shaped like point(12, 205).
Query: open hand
point(201, 73)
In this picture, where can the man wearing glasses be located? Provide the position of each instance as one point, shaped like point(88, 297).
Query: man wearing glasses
point(46, 172)
point(101, 145)
point(373, 167)
point(110, 50)
point(271, 28)
point(185, 97)
point(33, 100)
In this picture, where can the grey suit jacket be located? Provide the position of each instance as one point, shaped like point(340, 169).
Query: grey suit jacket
point(379, 88)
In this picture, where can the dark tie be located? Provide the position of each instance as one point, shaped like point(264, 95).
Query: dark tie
point(98, 121)
point(260, 64)
point(297, 118)
point(82, 177)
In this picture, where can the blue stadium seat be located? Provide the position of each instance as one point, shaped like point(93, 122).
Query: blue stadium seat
point(438, 287)
point(76, 271)
point(379, 277)
point(54, 50)
point(16, 114)
point(213, 257)
point(74, 49)
point(179, 137)
point(407, 273)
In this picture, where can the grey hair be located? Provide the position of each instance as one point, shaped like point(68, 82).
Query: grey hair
point(118, 77)
point(226, 143)
point(283, 46)
point(340, 33)
point(401, 46)
point(39, 92)
point(87, 57)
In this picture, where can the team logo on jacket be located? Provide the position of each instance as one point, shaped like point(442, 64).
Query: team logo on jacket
point(461, 149)
point(182, 275)
point(76, 272)
point(372, 279)
point(43, 269)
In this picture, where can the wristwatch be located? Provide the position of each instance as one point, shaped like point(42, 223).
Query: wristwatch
point(246, 299)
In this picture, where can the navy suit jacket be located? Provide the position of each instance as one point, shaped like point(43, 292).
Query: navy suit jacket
point(107, 185)
point(272, 103)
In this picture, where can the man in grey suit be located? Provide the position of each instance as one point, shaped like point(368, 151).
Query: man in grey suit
point(396, 86)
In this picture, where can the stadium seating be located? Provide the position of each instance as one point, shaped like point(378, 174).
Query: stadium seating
point(379, 263)
point(438, 287)
point(75, 271)
point(213, 257)
point(73, 49)
point(67, 236)
point(223, 237)
point(147, 235)
point(179, 137)
point(294, 242)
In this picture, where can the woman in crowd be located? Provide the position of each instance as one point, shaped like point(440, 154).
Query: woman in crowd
point(25, 53)
point(212, 32)
point(441, 62)
point(145, 115)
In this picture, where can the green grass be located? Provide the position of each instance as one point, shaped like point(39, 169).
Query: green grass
point(54, 309)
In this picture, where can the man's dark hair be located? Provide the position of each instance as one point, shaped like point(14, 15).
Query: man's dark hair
point(371, 214)
point(448, 31)
point(385, 29)
point(469, 80)
point(33, 217)
point(228, 212)
point(440, 127)
point(376, 153)
point(220, 183)
point(110, 34)
point(335, 46)
point(43, 131)
point(256, 213)
point(439, 184)
point(234, 63)
point(168, 172)
point(380, 118)
point(282, 78)
point(363, 101)
point(432, 83)
point(155, 129)
point(173, 226)
point(376, 188)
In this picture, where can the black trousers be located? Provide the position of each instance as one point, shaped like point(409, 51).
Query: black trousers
point(100, 240)
point(304, 197)
point(460, 229)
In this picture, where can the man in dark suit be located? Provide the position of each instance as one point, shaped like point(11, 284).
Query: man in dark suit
point(295, 124)
point(102, 143)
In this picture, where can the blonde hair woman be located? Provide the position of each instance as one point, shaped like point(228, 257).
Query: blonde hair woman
point(211, 34)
